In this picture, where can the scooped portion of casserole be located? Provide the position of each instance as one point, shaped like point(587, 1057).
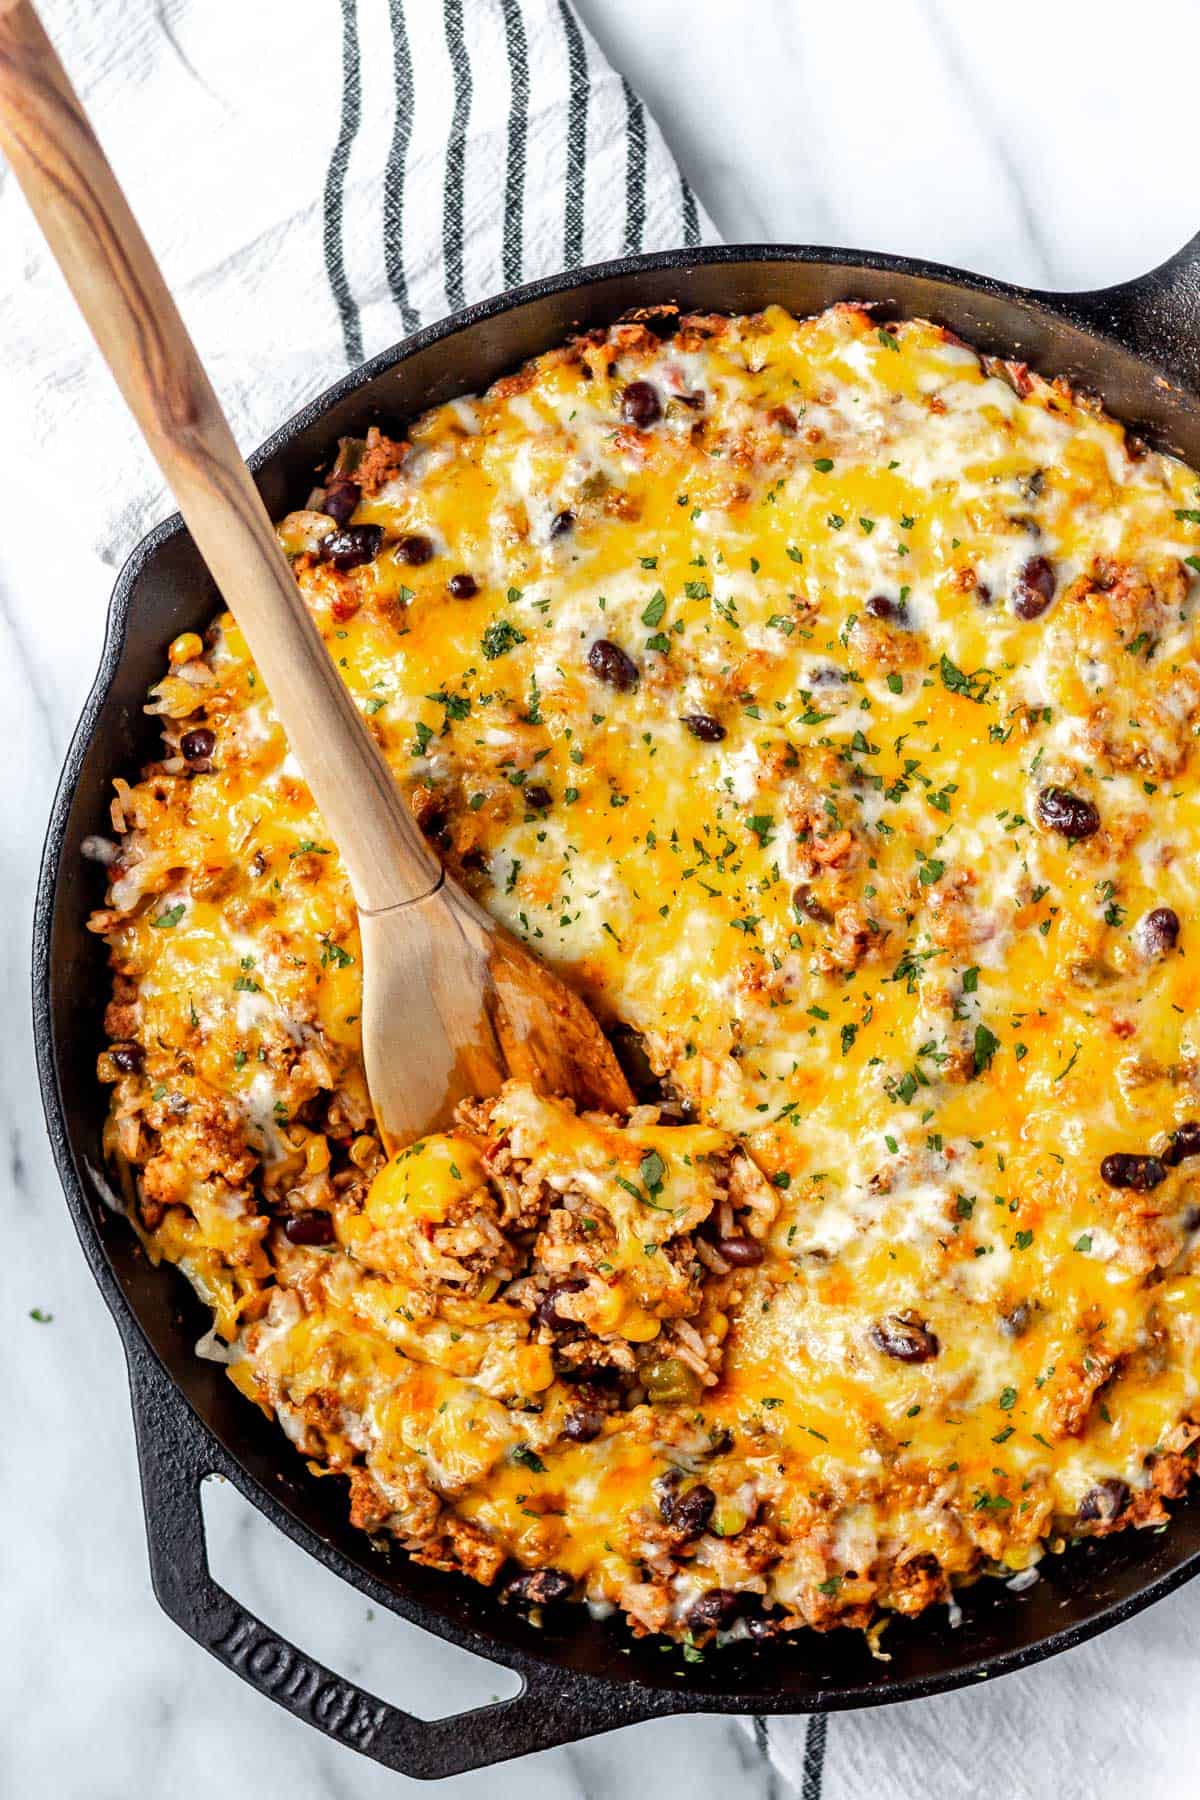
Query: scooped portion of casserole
point(821, 700)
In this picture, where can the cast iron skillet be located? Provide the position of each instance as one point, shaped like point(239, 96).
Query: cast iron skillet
point(1138, 346)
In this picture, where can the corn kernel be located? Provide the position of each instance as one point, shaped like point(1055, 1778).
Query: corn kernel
point(186, 648)
point(729, 1519)
point(316, 1155)
point(363, 1152)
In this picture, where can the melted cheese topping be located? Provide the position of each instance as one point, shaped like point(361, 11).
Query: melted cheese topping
point(803, 846)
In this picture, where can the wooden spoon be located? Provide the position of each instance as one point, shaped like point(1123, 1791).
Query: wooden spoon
point(452, 1005)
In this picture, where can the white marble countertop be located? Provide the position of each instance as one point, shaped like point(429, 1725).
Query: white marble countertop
point(1047, 144)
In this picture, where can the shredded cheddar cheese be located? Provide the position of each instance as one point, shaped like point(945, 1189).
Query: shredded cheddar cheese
point(821, 702)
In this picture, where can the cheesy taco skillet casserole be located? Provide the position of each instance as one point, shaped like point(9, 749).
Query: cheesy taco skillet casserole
point(820, 701)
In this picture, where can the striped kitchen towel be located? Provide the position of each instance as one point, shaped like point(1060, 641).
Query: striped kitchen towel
point(318, 182)
point(1113, 1717)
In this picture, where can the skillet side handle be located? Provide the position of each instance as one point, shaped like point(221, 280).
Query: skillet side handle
point(175, 1454)
point(1156, 315)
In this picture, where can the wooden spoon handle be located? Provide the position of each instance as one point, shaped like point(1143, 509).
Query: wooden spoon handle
point(121, 293)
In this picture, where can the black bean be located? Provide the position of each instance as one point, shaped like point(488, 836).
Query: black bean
point(1104, 1503)
point(562, 522)
point(610, 663)
point(539, 1587)
point(740, 1252)
point(715, 1611)
point(127, 1057)
point(704, 727)
point(806, 905)
point(1158, 931)
point(463, 587)
point(341, 498)
point(687, 1514)
point(1016, 1323)
point(1185, 1142)
point(546, 1313)
point(1070, 814)
point(538, 797)
point(1125, 1170)
point(199, 744)
point(309, 1228)
point(586, 1423)
point(350, 548)
point(907, 1340)
point(414, 548)
point(1033, 590)
point(881, 606)
point(640, 404)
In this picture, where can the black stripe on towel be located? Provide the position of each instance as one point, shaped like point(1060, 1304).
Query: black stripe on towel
point(691, 220)
point(335, 187)
point(814, 1756)
point(576, 138)
point(635, 169)
point(518, 128)
point(456, 155)
point(393, 180)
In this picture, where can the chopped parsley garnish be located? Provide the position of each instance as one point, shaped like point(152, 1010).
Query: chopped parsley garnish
point(652, 1171)
point(528, 1459)
point(973, 687)
point(986, 1046)
point(500, 637)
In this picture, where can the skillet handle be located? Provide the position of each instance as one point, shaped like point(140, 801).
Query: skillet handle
point(1156, 315)
point(175, 1453)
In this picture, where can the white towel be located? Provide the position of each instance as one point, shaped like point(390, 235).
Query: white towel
point(1115, 1718)
point(317, 180)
